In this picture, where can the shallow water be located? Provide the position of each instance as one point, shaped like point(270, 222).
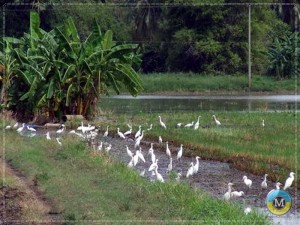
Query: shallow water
point(152, 103)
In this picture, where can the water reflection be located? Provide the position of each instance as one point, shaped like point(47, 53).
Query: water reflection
point(150, 103)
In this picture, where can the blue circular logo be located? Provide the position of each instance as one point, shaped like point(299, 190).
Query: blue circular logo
point(278, 202)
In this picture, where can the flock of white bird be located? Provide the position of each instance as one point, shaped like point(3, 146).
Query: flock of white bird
point(90, 132)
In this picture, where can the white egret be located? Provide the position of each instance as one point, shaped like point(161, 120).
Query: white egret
point(58, 141)
point(142, 173)
point(247, 181)
point(289, 181)
point(178, 125)
point(162, 124)
point(278, 184)
point(168, 152)
point(190, 171)
point(153, 165)
point(31, 129)
point(99, 148)
point(48, 136)
point(138, 133)
point(196, 166)
point(247, 210)
point(178, 177)
point(130, 153)
point(151, 148)
point(106, 132)
point(20, 129)
point(237, 193)
point(136, 158)
point(196, 126)
point(16, 125)
point(140, 155)
point(130, 164)
point(121, 135)
point(150, 128)
point(264, 184)
point(8, 127)
point(189, 125)
point(151, 151)
point(170, 166)
point(227, 195)
point(138, 140)
point(60, 131)
point(108, 148)
point(128, 132)
point(160, 140)
point(216, 121)
point(159, 177)
point(263, 123)
point(179, 154)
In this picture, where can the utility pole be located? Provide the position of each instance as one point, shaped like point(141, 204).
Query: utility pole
point(249, 47)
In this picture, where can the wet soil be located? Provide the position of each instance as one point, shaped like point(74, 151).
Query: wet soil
point(212, 177)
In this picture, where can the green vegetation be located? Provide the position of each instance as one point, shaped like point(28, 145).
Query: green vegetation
point(55, 73)
point(85, 186)
point(191, 82)
point(240, 139)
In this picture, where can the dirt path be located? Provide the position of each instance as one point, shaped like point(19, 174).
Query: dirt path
point(22, 202)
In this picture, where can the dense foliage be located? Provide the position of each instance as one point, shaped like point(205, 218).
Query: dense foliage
point(55, 72)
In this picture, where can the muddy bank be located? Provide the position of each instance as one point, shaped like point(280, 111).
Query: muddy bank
point(212, 177)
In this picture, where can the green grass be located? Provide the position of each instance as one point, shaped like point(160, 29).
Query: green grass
point(84, 187)
point(190, 82)
point(240, 139)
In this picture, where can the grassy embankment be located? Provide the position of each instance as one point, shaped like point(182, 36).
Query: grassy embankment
point(190, 82)
point(240, 139)
point(84, 186)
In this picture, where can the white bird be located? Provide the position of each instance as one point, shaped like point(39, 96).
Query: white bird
point(168, 152)
point(151, 151)
point(190, 171)
point(130, 153)
point(247, 181)
point(142, 173)
point(263, 123)
point(150, 128)
point(8, 127)
point(227, 195)
point(128, 132)
point(31, 129)
point(16, 125)
point(264, 184)
point(20, 129)
point(170, 166)
point(106, 132)
point(278, 184)
point(58, 141)
point(178, 177)
point(140, 155)
point(121, 135)
point(237, 193)
point(178, 125)
point(108, 148)
point(159, 140)
point(196, 126)
point(153, 165)
point(99, 148)
point(60, 131)
point(130, 164)
point(189, 125)
point(289, 181)
point(162, 124)
point(48, 136)
point(247, 210)
point(217, 121)
point(138, 133)
point(138, 140)
point(159, 177)
point(136, 158)
point(179, 154)
point(196, 166)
